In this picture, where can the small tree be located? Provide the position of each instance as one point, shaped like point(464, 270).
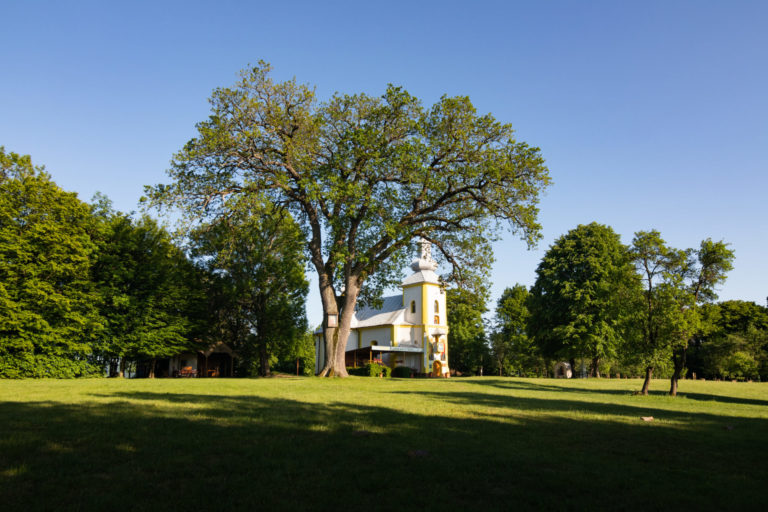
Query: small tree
point(364, 176)
point(512, 346)
point(469, 348)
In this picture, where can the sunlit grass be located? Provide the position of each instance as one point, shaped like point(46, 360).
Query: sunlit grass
point(363, 443)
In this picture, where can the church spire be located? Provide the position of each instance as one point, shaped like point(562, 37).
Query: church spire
point(425, 262)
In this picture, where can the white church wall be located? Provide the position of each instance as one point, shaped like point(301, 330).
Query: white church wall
point(382, 335)
point(412, 294)
point(436, 293)
point(352, 340)
point(408, 335)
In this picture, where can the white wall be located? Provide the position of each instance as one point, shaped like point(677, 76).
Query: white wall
point(435, 293)
point(409, 336)
point(412, 293)
point(380, 334)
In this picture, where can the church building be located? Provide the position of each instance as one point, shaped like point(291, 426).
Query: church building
point(410, 329)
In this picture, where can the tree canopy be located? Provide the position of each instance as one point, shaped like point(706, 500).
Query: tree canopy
point(364, 176)
point(48, 314)
point(469, 349)
point(580, 301)
point(255, 256)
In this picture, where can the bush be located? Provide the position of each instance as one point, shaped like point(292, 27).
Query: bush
point(371, 370)
point(402, 372)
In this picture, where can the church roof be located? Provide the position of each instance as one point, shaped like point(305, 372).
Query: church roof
point(422, 276)
point(391, 312)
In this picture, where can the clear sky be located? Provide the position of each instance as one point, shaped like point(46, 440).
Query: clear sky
point(651, 115)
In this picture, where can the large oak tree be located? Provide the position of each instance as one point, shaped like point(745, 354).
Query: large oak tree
point(364, 176)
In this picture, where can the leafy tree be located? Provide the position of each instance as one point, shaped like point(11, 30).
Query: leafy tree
point(256, 252)
point(676, 282)
point(469, 349)
point(150, 293)
point(694, 279)
point(364, 176)
point(579, 303)
point(513, 348)
point(736, 346)
point(47, 314)
point(658, 314)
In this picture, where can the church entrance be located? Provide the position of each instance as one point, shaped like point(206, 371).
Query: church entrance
point(437, 369)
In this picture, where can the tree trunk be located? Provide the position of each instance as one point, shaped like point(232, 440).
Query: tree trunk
point(572, 362)
point(647, 382)
point(263, 358)
point(152, 369)
point(336, 337)
point(121, 373)
point(596, 367)
point(679, 362)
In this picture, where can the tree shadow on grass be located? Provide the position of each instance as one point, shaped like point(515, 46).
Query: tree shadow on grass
point(536, 386)
point(196, 452)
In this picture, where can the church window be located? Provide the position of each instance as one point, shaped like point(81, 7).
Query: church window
point(437, 307)
point(437, 319)
point(413, 306)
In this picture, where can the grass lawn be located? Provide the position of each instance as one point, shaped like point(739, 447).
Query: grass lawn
point(376, 444)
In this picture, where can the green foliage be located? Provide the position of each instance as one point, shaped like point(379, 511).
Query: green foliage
point(151, 296)
point(514, 350)
point(402, 372)
point(47, 314)
point(735, 345)
point(301, 348)
point(675, 282)
point(371, 370)
point(580, 303)
point(468, 344)
point(255, 255)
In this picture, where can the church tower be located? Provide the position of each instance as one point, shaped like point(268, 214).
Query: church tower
point(425, 308)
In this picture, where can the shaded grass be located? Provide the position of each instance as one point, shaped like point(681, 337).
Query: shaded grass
point(364, 443)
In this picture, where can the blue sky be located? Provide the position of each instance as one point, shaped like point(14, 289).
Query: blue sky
point(651, 115)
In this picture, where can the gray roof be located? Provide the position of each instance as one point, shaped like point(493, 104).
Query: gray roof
point(391, 312)
point(422, 276)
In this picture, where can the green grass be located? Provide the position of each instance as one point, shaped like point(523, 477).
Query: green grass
point(376, 444)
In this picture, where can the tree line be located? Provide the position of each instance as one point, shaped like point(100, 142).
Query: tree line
point(643, 309)
point(86, 290)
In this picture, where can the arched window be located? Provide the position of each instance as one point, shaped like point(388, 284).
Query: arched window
point(437, 307)
point(413, 306)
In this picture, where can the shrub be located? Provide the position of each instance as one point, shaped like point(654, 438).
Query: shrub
point(371, 370)
point(402, 372)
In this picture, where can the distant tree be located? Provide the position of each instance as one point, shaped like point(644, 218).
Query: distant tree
point(365, 177)
point(151, 295)
point(469, 346)
point(736, 345)
point(48, 318)
point(695, 279)
point(676, 283)
point(256, 253)
point(580, 301)
point(513, 348)
point(658, 312)
point(298, 355)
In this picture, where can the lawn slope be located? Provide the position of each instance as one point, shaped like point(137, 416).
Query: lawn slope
point(377, 444)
